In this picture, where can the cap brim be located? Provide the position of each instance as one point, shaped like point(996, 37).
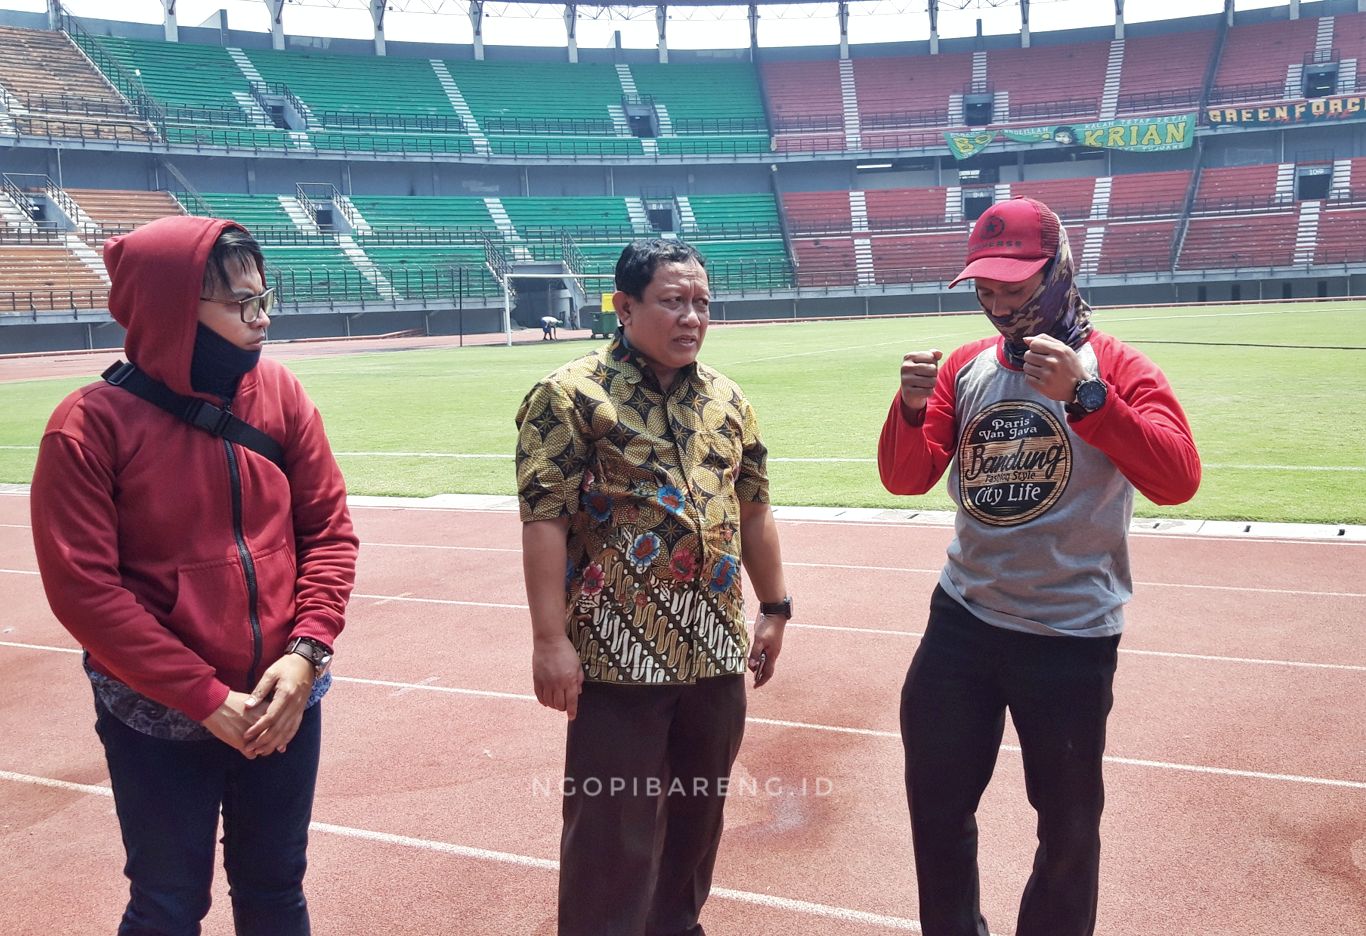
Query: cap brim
point(1005, 269)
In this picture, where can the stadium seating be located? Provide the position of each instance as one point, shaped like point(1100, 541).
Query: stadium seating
point(1069, 198)
point(1341, 236)
point(115, 210)
point(1238, 187)
point(825, 261)
point(60, 94)
point(204, 92)
point(1239, 241)
point(1137, 247)
point(905, 209)
point(394, 212)
point(1164, 73)
point(817, 212)
point(47, 277)
point(1050, 81)
point(365, 104)
point(707, 109)
point(1148, 194)
point(918, 258)
point(1258, 57)
point(1349, 39)
point(905, 100)
point(805, 104)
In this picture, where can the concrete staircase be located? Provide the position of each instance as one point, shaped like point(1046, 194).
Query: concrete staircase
point(1307, 232)
point(1285, 182)
point(849, 95)
point(863, 261)
point(499, 214)
point(1090, 251)
point(1109, 98)
point(361, 260)
point(458, 103)
point(1100, 198)
point(298, 215)
point(686, 218)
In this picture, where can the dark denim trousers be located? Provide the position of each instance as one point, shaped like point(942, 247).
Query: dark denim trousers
point(168, 795)
point(964, 677)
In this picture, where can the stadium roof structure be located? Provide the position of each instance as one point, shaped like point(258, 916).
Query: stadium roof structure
point(477, 10)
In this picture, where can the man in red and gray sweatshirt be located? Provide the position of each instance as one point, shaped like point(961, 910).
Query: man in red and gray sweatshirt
point(1046, 430)
point(206, 581)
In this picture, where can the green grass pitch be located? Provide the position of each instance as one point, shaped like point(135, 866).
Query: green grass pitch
point(1276, 395)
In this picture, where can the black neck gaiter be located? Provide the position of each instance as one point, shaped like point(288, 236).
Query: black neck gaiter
point(218, 364)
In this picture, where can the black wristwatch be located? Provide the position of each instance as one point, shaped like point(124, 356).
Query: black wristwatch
point(315, 651)
point(777, 608)
point(1090, 396)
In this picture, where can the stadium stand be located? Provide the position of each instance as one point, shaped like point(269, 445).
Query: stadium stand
point(47, 277)
point(1242, 187)
point(707, 109)
point(1137, 247)
point(115, 210)
point(910, 101)
point(805, 105)
point(1341, 235)
point(1164, 73)
point(1261, 61)
point(53, 91)
point(906, 209)
point(350, 103)
point(1070, 198)
point(1234, 242)
point(1349, 40)
point(817, 212)
point(1147, 194)
point(1049, 81)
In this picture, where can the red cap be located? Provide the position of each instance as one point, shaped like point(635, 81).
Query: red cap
point(1011, 241)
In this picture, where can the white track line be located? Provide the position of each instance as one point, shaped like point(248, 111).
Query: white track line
point(832, 729)
point(836, 628)
point(826, 911)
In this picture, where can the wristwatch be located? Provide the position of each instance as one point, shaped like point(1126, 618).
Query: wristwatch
point(777, 608)
point(315, 651)
point(1090, 396)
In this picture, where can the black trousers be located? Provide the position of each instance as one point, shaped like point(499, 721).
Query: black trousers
point(964, 677)
point(646, 769)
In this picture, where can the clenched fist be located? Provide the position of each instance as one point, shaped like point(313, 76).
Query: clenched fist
point(919, 370)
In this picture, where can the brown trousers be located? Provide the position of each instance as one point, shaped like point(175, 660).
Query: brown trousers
point(645, 774)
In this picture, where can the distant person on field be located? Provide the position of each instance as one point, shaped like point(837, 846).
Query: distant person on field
point(643, 486)
point(206, 583)
point(1046, 430)
point(548, 325)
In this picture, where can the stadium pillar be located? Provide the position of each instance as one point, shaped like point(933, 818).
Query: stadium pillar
point(662, 22)
point(571, 30)
point(1024, 24)
point(934, 27)
point(1294, 9)
point(1228, 12)
point(169, 21)
point(753, 30)
point(377, 8)
point(844, 29)
point(477, 22)
point(277, 24)
point(1119, 19)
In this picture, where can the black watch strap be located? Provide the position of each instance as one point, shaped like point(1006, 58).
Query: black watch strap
point(777, 608)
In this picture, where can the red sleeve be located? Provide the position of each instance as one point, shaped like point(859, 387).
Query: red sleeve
point(75, 537)
point(1141, 427)
point(324, 537)
point(913, 454)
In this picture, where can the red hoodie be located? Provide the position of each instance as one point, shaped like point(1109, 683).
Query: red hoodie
point(181, 562)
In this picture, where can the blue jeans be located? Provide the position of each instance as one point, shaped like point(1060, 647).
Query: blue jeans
point(168, 795)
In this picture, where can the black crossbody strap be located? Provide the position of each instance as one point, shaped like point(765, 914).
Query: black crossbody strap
point(201, 414)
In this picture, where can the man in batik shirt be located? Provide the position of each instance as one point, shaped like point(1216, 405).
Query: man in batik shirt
point(642, 484)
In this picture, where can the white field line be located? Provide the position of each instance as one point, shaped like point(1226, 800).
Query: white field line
point(826, 911)
point(833, 729)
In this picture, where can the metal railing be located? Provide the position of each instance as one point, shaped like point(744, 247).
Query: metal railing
point(129, 85)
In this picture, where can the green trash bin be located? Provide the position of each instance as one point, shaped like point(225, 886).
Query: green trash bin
point(605, 324)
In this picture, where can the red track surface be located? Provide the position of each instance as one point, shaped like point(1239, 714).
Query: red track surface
point(1236, 778)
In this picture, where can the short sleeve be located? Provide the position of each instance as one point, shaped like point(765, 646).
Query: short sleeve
point(552, 453)
point(752, 484)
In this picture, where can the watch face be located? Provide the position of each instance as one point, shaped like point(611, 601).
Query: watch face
point(1091, 395)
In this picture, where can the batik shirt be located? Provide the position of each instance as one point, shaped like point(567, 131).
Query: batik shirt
point(652, 483)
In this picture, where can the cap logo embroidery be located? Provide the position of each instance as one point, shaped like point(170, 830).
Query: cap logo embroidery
point(994, 227)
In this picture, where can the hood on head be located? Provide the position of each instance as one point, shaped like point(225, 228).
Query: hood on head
point(157, 274)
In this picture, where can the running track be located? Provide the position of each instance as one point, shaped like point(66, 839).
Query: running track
point(1236, 771)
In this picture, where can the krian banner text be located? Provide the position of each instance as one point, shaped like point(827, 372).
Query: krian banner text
point(1143, 135)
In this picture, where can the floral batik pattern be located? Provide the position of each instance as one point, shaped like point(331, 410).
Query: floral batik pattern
point(652, 483)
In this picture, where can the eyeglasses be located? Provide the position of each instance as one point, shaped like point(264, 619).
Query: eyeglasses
point(250, 308)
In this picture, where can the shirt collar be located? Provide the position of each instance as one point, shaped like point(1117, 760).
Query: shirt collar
point(620, 350)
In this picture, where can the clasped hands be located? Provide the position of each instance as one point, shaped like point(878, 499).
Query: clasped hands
point(264, 722)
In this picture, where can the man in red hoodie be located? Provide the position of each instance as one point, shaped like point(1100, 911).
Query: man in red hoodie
point(206, 582)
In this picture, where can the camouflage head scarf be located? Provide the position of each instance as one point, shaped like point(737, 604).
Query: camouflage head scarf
point(1056, 309)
